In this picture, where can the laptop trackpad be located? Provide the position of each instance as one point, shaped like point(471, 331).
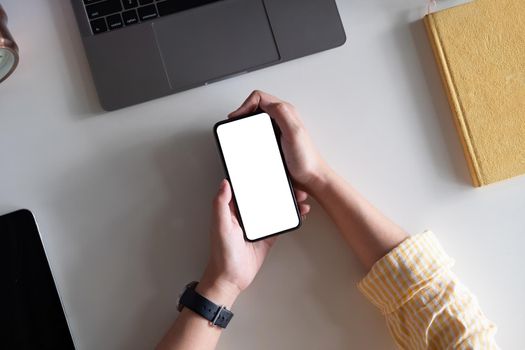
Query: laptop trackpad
point(214, 41)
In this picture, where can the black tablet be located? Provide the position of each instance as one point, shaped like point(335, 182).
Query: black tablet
point(32, 314)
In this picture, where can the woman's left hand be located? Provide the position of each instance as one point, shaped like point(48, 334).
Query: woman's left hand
point(234, 262)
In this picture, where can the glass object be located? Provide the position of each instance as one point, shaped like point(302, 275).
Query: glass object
point(8, 48)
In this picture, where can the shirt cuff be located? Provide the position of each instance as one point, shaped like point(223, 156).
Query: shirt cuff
point(404, 271)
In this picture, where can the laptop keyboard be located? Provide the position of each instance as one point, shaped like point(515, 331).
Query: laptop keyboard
point(105, 15)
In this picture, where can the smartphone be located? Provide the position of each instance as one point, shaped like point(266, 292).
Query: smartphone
point(255, 167)
point(31, 307)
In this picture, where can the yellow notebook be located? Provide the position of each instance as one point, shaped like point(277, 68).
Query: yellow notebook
point(480, 50)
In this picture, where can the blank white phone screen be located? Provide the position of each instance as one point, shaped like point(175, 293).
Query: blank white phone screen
point(257, 175)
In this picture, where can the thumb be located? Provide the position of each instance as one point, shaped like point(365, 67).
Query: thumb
point(221, 208)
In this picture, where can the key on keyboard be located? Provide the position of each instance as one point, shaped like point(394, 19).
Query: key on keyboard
point(129, 4)
point(107, 15)
point(171, 6)
point(103, 8)
point(147, 12)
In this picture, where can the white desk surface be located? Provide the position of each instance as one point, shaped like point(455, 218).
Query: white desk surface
point(123, 198)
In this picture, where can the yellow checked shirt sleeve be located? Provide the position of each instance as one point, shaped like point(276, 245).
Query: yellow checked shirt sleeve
point(425, 305)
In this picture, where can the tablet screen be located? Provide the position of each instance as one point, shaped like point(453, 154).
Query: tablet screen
point(30, 304)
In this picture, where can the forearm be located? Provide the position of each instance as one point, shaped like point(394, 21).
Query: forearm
point(368, 232)
point(190, 330)
point(425, 305)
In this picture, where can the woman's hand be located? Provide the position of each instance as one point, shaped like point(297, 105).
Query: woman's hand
point(302, 158)
point(234, 262)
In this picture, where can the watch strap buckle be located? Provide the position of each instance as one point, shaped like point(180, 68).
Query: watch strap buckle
point(217, 315)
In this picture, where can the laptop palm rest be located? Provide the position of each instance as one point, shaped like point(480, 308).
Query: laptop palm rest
point(215, 41)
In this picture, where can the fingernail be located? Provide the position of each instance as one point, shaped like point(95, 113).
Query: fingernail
point(222, 185)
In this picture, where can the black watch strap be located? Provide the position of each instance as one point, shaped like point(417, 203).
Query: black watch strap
point(216, 314)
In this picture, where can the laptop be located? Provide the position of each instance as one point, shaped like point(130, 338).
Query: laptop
point(139, 50)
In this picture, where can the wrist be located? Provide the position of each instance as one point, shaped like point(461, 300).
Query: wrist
point(218, 290)
point(320, 180)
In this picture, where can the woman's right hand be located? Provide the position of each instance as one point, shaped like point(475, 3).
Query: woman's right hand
point(304, 162)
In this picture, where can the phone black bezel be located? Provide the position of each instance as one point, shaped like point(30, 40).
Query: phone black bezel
point(277, 134)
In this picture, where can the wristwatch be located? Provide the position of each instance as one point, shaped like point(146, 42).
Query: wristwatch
point(218, 315)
